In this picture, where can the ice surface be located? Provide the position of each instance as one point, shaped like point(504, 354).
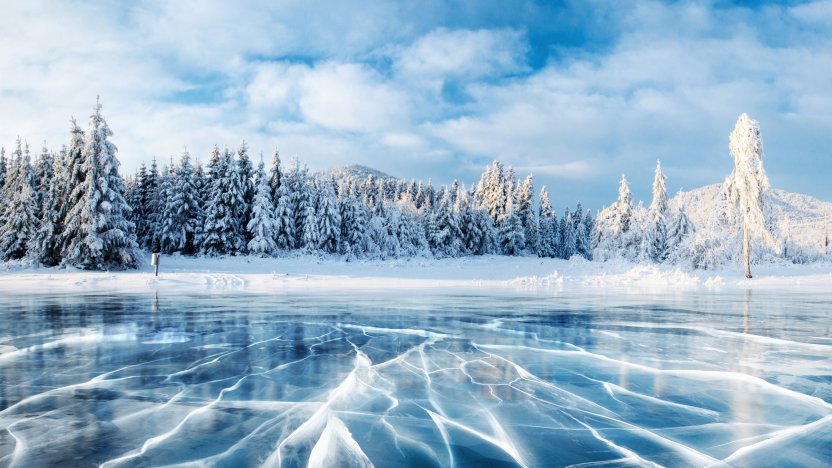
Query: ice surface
point(418, 379)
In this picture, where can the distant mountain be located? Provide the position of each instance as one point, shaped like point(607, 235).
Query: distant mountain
point(354, 171)
point(805, 218)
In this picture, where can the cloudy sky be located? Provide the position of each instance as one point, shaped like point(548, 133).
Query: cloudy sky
point(576, 92)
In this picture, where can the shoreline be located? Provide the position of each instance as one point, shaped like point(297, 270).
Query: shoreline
point(488, 273)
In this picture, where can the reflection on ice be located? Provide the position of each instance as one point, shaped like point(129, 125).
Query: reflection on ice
point(426, 381)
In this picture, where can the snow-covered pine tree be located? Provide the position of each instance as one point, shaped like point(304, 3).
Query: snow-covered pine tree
point(285, 231)
point(589, 230)
point(371, 196)
point(11, 184)
point(301, 199)
point(581, 239)
point(168, 240)
point(430, 195)
point(3, 166)
point(449, 239)
point(275, 177)
point(391, 245)
point(353, 227)
point(201, 186)
point(616, 231)
point(679, 228)
point(386, 190)
point(453, 190)
point(182, 211)
point(410, 234)
point(137, 197)
point(153, 207)
point(73, 193)
point(245, 172)
point(570, 236)
point(19, 221)
point(433, 232)
point(469, 230)
point(511, 231)
point(624, 206)
point(581, 243)
point(562, 227)
point(748, 188)
point(42, 178)
point(329, 220)
point(310, 234)
point(492, 190)
point(656, 231)
point(45, 247)
point(189, 202)
point(261, 227)
point(547, 239)
point(219, 231)
point(105, 237)
point(524, 194)
point(419, 198)
point(488, 241)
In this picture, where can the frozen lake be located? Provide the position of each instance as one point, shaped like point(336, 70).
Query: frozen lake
point(535, 379)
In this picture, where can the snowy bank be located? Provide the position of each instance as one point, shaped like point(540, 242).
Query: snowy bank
point(189, 275)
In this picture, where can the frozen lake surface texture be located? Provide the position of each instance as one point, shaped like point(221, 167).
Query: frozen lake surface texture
point(359, 379)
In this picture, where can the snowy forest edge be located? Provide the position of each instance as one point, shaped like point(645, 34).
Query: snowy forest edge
point(73, 208)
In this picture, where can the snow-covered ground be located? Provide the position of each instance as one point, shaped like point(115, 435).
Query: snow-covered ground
point(189, 275)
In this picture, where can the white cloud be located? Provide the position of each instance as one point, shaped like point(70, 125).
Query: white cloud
point(463, 54)
point(351, 97)
point(368, 90)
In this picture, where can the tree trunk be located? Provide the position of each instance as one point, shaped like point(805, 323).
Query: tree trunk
point(746, 250)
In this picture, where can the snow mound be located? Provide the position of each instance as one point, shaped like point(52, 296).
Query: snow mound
point(646, 276)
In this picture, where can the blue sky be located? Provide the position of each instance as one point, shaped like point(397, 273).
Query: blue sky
point(575, 92)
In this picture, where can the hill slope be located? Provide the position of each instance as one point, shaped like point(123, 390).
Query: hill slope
point(805, 218)
point(354, 171)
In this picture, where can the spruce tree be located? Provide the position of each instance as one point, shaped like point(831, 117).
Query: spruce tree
point(275, 176)
point(104, 234)
point(588, 232)
point(42, 178)
point(329, 220)
point(353, 227)
point(570, 236)
point(137, 198)
point(45, 247)
point(656, 231)
point(202, 187)
point(261, 227)
point(285, 232)
point(310, 234)
point(166, 234)
point(153, 207)
point(19, 221)
point(182, 209)
point(73, 191)
point(511, 232)
point(547, 242)
point(679, 228)
point(471, 235)
point(301, 195)
point(223, 230)
point(3, 170)
point(245, 172)
point(525, 199)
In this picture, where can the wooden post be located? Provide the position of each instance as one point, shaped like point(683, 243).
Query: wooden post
point(154, 260)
